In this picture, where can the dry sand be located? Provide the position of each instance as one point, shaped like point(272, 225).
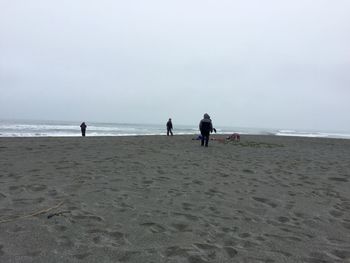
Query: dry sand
point(166, 199)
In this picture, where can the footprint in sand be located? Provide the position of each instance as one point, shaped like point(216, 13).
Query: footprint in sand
point(52, 193)
point(36, 187)
point(163, 178)
point(336, 213)
point(265, 201)
point(208, 251)
point(187, 206)
point(205, 246)
point(338, 179)
point(160, 171)
point(184, 255)
point(346, 225)
point(186, 216)
point(107, 237)
point(244, 235)
point(224, 175)
point(13, 175)
point(342, 254)
point(176, 251)
point(17, 229)
point(129, 256)
point(290, 205)
point(2, 196)
point(214, 193)
point(179, 227)
point(283, 219)
point(153, 227)
point(87, 218)
point(316, 257)
point(300, 215)
point(23, 201)
point(82, 256)
point(197, 182)
point(231, 252)
point(147, 182)
point(60, 228)
point(33, 253)
point(65, 242)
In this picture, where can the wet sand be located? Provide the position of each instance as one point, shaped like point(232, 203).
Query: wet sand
point(167, 199)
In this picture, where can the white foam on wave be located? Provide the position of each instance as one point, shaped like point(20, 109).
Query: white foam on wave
point(312, 134)
point(70, 129)
point(298, 134)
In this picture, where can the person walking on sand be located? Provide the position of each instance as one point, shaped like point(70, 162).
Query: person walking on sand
point(169, 127)
point(205, 127)
point(83, 128)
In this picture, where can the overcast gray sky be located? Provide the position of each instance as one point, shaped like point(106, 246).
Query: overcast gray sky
point(248, 63)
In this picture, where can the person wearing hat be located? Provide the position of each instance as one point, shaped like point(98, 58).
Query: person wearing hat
point(83, 128)
point(205, 127)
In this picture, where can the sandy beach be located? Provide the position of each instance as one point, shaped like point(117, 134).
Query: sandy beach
point(167, 199)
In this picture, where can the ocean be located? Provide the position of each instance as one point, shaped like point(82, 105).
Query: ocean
point(67, 129)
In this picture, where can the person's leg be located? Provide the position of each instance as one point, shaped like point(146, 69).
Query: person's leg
point(206, 140)
point(167, 132)
point(202, 139)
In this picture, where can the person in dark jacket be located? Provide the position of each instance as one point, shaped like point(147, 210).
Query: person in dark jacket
point(169, 127)
point(205, 127)
point(83, 128)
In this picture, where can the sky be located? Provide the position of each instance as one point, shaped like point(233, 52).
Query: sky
point(247, 63)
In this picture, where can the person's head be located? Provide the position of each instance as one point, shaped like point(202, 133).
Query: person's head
point(206, 116)
point(169, 119)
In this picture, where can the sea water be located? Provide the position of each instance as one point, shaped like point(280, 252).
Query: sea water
point(28, 128)
point(67, 128)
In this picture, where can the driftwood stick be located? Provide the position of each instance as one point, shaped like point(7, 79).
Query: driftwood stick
point(17, 217)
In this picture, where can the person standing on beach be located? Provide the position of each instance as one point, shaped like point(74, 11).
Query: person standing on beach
point(205, 127)
point(83, 128)
point(169, 127)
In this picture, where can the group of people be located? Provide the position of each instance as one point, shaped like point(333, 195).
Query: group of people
point(205, 127)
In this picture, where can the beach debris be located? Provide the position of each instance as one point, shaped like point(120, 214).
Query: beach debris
point(17, 217)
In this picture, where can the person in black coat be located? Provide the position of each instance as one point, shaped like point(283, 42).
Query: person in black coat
point(83, 128)
point(205, 127)
point(169, 127)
